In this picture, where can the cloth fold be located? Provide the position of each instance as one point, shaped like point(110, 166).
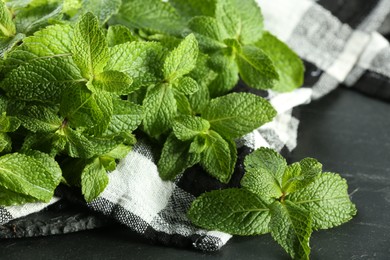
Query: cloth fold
point(339, 45)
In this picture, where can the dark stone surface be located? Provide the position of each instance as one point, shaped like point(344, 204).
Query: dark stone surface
point(346, 131)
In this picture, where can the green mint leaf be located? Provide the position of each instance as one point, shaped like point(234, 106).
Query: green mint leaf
point(227, 15)
point(154, 15)
point(251, 20)
point(119, 152)
point(115, 82)
point(7, 45)
point(71, 7)
point(327, 199)
point(237, 114)
point(10, 198)
point(42, 80)
point(182, 59)
point(142, 61)
point(126, 117)
point(54, 40)
point(187, 86)
point(33, 18)
point(264, 170)
point(28, 175)
point(299, 175)
point(187, 127)
point(209, 33)
point(94, 179)
point(103, 9)
point(41, 119)
point(182, 103)
point(7, 26)
point(83, 108)
point(227, 75)
point(235, 211)
point(290, 226)
point(48, 163)
point(77, 144)
point(219, 157)
point(90, 48)
point(203, 75)
point(198, 144)
point(118, 34)
point(8, 123)
point(286, 62)
point(256, 68)
point(50, 143)
point(160, 109)
point(190, 8)
point(5, 143)
point(175, 158)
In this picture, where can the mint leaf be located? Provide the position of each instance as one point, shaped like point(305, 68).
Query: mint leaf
point(227, 76)
point(218, 157)
point(299, 175)
point(327, 199)
point(142, 61)
point(90, 48)
point(198, 144)
point(227, 15)
point(237, 114)
point(50, 143)
point(103, 9)
point(10, 198)
point(209, 33)
point(251, 20)
point(42, 79)
point(40, 119)
point(28, 176)
point(144, 14)
point(187, 127)
point(182, 103)
point(126, 117)
point(77, 144)
point(235, 211)
point(190, 8)
point(160, 109)
point(8, 123)
point(94, 179)
point(175, 158)
point(182, 59)
point(187, 86)
point(7, 26)
point(5, 143)
point(31, 19)
point(115, 82)
point(118, 34)
point(86, 109)
point(203, 75)
point(54, 40)
point(7, 45)
point(286, 62)
point(264, 170)
point(256, 68)
point(290, 226)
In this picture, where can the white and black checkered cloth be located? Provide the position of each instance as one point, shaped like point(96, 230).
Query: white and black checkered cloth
point(340, 44)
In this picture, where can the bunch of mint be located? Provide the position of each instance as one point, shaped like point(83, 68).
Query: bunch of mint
point(287, 201)
point(81, 80)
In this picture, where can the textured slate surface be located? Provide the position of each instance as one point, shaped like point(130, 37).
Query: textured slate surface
point(347, 131)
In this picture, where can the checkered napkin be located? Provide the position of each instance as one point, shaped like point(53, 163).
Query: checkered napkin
point(339, 44)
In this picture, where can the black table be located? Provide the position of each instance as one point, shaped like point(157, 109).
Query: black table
point(346, 131)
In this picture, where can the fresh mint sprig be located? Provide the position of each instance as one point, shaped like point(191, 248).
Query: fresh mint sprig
point(288, 201)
